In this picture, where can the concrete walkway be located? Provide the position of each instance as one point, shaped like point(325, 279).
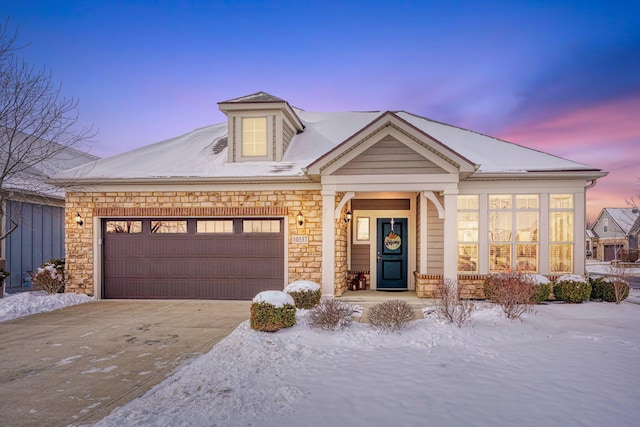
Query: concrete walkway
point(75, 365)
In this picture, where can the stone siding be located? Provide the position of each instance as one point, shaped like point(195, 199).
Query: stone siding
point(304, 260)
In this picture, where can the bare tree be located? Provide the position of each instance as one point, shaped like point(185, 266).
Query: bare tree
point(38, 127)
point(632, 201)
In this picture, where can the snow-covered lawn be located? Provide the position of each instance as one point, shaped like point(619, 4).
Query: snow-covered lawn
point(25, 303)
point(566, 365)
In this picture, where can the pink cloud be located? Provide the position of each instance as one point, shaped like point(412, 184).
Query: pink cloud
point(605, 136)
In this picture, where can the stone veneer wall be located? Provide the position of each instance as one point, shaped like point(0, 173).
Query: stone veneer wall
point(304, 261)
point(472, 285)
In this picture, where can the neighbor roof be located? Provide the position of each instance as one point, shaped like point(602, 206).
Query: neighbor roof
point(198, 154)
point(625, 218)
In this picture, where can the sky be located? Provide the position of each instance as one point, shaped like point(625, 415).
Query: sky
point(557, 76)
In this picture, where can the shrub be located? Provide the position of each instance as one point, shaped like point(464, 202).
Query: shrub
point(514, 292)
point(391, 316)
point(50, 276)
point(610, 289)
point(572, 288)
point(330, 314)
point(542, 288)
point(450, 307)
point(272, 310)
point(306, 294)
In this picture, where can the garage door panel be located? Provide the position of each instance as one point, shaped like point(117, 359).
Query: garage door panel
point(208, 266)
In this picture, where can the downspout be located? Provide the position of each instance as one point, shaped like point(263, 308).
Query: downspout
point(591, 185)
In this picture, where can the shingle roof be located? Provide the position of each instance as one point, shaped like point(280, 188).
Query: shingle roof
point(626, 218)
point(254, 97)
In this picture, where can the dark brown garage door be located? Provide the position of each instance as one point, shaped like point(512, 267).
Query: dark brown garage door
point(192, 258)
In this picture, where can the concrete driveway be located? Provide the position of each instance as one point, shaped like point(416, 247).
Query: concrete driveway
point(75, 365)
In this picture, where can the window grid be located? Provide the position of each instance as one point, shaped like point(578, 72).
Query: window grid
point(468, 232)
point(254, 136)
point(513, 232)
point(561, 238)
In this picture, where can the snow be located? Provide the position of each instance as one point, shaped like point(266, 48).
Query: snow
point(22, 304)
point(565, 365)
point(539, 279)
point(275, 298)
point(572, 278)
point(302, 286)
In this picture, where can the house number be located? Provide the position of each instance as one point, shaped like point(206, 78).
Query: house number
point(300, 239)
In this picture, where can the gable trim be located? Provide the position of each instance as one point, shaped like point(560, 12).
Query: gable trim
point(362, 140)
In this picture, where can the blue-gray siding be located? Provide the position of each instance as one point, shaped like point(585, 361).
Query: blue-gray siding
point(38, 238)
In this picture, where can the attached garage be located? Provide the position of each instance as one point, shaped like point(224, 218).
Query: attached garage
point(192, 258)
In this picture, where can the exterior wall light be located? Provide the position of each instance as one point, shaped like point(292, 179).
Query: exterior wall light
point(348, 217)
point(79, 221)
point(300, 218)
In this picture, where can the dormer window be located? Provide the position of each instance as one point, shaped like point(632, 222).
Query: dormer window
point(254, 136)
point(260, 126)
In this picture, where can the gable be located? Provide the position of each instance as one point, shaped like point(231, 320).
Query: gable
point(389, 156)
point(425, 154)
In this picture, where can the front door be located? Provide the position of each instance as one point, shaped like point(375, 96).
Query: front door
point(392, 250)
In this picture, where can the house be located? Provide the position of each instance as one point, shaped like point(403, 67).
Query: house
point(33, 209)
point(277, 193)
point(616, 232)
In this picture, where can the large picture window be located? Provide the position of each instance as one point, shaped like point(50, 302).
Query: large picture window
point(513, 232)
point(561, 242)
point(254, 136)
point(468, 221)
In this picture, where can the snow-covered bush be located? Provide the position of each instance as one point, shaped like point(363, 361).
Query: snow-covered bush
point(610, 289)
point(272, 310)
point(50, 276)
point(513, 291)
point(391, 316)
point(542, 288)
point(450, 307)
point(305, 293)
point(572, 288)
point(330, 314)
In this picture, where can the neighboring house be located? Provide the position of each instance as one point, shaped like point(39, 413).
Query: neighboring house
point(278, 193)
point(616, 230)
point(38, 210)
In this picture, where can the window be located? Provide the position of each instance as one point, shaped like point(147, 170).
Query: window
point(254, 136)
point(124, 227)
point(214, 226)
point(169, 227)
point(261, 226)
point(468, 221)
point(362, 229)
point(605, 225)
point(561, 233)
point(513, 232)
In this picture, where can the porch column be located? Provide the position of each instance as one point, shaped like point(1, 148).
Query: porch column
point(328, 242)
point(450, 265)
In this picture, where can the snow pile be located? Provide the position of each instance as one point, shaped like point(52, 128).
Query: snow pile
point(277, 299)
point(26, 303)
point(539, 279)
point(567, 365)
point(302, 286)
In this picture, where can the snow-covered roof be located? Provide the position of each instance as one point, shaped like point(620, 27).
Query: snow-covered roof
point(201, 153)
point(626, 218)
point(53, 159)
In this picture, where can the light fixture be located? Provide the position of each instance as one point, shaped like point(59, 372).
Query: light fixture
point(347, 218)
point(79, 220)
point(300, 218)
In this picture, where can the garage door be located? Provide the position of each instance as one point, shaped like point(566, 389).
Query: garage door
point(609, 252)
point(192, 258)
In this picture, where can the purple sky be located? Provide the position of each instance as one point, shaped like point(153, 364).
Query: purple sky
point(559, 76)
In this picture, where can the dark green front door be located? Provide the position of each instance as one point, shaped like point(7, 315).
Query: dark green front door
point(392, 251)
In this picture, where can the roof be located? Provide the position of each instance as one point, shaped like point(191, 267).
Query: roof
point(626, 218)
point(33, 179)
point(193, 155)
